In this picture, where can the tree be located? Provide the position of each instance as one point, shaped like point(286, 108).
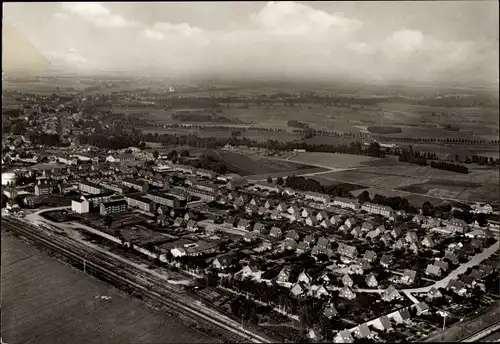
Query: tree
point(364, 197)
point(185, 153)
point(156, 154)
point(280, 181)
point(427, 209)
point(269, 180)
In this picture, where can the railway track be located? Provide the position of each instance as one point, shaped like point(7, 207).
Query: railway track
point(132, 278)
point(478, 336)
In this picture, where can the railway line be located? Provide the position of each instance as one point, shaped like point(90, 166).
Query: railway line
point(132, 278)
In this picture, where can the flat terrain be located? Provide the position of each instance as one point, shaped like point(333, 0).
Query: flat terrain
point(45, 301)
point(246, 165)
point(389, 177)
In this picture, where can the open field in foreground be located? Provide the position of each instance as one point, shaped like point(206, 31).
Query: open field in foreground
point(332, 160)
point(45, 301)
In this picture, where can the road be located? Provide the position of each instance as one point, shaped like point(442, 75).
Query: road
point(126, 273)
point(443, 283)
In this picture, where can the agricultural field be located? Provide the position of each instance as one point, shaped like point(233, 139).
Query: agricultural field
point(332, 160)
point(254, 165)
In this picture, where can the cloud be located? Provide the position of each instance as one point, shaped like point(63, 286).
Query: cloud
point(69, 58)
point(95, 13)
point(289, 17)
point(162, 30)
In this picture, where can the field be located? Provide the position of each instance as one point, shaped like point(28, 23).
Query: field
point(45, 301)
point(332, 160)
point(390, 177)
point(253, 165)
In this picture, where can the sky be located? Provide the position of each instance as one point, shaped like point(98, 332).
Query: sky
point(412, 42)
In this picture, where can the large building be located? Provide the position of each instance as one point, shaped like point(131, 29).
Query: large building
point(164, 199)
point(346, 203)
point(96, 200)
point(113, 207)
point(138, 185)
point(119, 189)
point(81, 206)
point(90, 188)
point(318, 197)
point(43, 189)
point(67, 160)
point(203, 194)
point(377, 209)
point(267, 186)
point(139, 201)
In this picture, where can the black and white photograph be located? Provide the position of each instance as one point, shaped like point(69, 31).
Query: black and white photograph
point(250, 172)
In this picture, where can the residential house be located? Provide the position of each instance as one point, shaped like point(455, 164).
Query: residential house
point(222, 262)
point(434, 293)
point(386, 261)
point(383, 323)
point(318, 197)
point(402, 316)
point(281, 207)
point(343, 337)
point(309, 239)
point(318, 291)
point(43, 189)
point(452, 257)
point(330, 311)
point(347, 251)
point(391, 294)
point(409, 277)
point(259, 227)
point(433, 270)
point(311, 221)
point(293, 210)
point(275, 233)
point(178, 222)
point(372, 235)
point(302, 247)
point(336, 220)
point(347, 293)
point(320, 216)
point(251, 271)
point(373, 208)
point(80, 206)
point(422, 308)
point(270, 203)
point(367, 226)
point(468, 280)
point(371, 281)
point(289, 244)
point(325, 223)
point(428, 242)
point(350, 222)
point(244, 225)
point(250, 236)
point(298, 289)
point(161, 219)
point(363, 331)
point(191, 225)
point(357, 232)
point(431, 222)
point(113, 207)
point(292, 234)
point(457, 287)
point(396, 232)
point(457, 225)
point(347, 281)
point(307, 213)
point(386, 239)
point(323, 242)
point(275, 215)
point(304, 277)
point(284, 275)
point(411, 237)
point(370, 256)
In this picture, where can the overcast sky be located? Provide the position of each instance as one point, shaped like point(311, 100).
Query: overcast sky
point(405, 41)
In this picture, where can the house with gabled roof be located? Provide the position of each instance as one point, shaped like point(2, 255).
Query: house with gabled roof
point(372, 235)
point(191, 225)
point(343, 337)
point(434, 293)
point(396, 232)
point(275, 215)
point(250, 236)
point(347, 281)
point(386, 239)
point(390, 294)
point(408, 277)
point(251, 209)
point(371, 281)
point(415, 247)
point(244, 224)
point(254, 202)
point(317, 250)
point(178, 222)
point(343, 228)
point(363, 331)
point(400, 244)
point(298, 289)
point(356, 232)
point(467, 280)
point(476, 274)
point(258, 227)
point(222, 262)
point(347, 251)
point(304, 277)
point(252, 271)
point(284, 275)
point(419, 218)
point(318, 291)
point(321, 215)
point(383, 323)
point(292, 234)
point(457, 225)
point(335, 219)
point(323, 242)
point(302, 247)
point(275, 233)
point(442, 264)
point(350, 222)
point(325, 223)
point(293, 210)
point(290, 244)
point(367, 226)
point(307, 213)
point(270, 203)
point(261, 210)
point(427, 242)
point(386, 261)
point(311, 221)
point(458, 287)
point(330, 311)
point(309, 239)
point(347, 293)
point(422, 308)
point(452, 257)
point(402, 316)
point(433, 270)
point(370, 256)
point(411, 237)
point(281, 207)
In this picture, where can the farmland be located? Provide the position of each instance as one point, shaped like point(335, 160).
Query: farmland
point(389, 177)
point(254, 165)
point(49, 302)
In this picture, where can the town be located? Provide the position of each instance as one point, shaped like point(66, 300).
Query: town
point(298, 265)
